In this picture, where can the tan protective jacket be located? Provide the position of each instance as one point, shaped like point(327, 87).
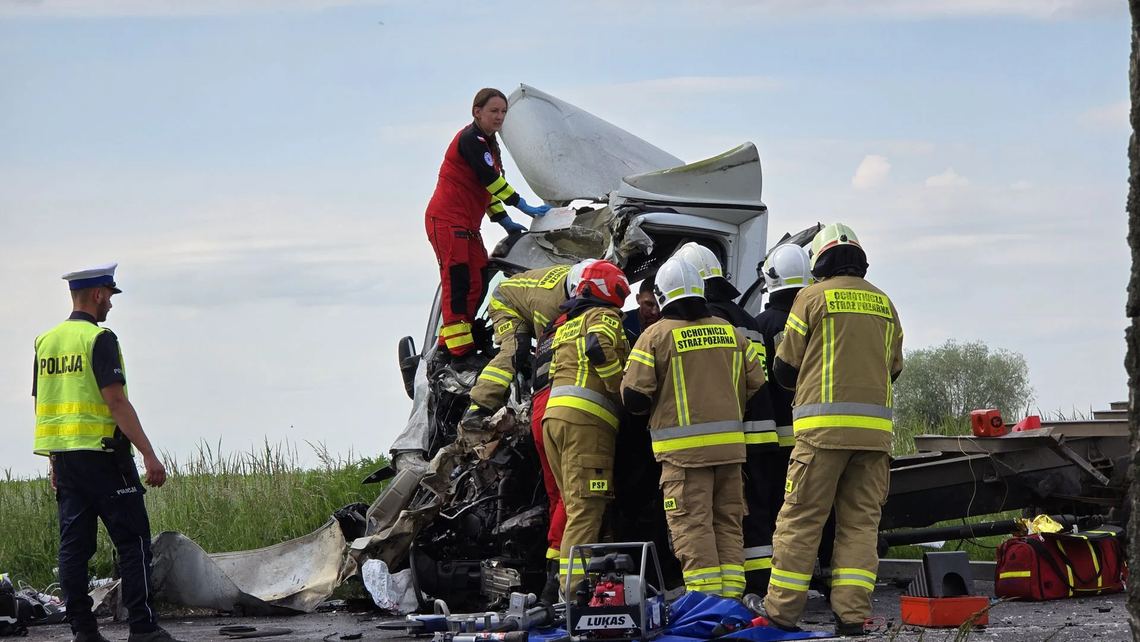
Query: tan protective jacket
point(581, 391)
point(844, 337)
point(700, 374)
point(532, 296)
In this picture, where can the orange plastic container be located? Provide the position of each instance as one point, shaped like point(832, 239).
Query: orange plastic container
point(944, 611)
point(987, 423)
point(1032, 422)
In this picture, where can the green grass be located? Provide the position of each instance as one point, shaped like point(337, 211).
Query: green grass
point(224, 502)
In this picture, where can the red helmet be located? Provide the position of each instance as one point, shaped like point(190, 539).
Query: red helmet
point(605, 281)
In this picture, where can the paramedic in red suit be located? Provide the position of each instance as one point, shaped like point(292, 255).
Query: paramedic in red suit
point(470, 185)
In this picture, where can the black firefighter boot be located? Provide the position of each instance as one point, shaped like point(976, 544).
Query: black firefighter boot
point(848, 629)
point(549, 595)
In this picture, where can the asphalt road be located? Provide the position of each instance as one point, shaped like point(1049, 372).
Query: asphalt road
point(1100, 619)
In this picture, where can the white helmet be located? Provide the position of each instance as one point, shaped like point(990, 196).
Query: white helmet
point(787, 266)
point(701, 258)
point(677, 279)
point(574, 277)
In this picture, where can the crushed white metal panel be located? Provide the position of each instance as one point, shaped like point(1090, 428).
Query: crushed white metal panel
point(565, 153)
point(417, 433)
point(290, 577)
point(719, 196)
point(725, 188)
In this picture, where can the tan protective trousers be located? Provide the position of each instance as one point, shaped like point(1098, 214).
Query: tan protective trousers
point(581, 457)
point(856, 482)
point(704, 508)
point(490, 391)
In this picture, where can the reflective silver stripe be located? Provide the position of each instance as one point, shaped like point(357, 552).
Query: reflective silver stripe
point(702, 576)
point(711, 428)
point(842, 408)
point(588, 395)
point(754, 552)
point(784, 431)
point(752, 335)
point(789, 579)
point(764, 425)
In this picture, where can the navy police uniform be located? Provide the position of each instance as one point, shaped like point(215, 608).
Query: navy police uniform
point(95, 477)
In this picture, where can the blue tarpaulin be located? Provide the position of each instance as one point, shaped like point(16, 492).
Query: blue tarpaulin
point(693, 617)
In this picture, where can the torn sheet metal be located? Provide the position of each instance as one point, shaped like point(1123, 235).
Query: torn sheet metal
point(565, 153)
point(417, 434)
point(290, 577)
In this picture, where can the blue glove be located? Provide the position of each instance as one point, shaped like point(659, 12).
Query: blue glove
point(511, 227)
point(539, 211)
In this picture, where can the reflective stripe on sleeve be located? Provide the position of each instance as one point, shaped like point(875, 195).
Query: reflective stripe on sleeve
point(642, 357)
point(795, 323)
point(495, 375)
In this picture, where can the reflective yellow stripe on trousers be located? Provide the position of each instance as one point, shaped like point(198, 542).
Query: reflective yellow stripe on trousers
point(853, 577)
point(706, 580)
point(789, 580)
point(732, 579)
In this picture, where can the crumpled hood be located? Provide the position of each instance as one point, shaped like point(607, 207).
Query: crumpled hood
point(565, 153)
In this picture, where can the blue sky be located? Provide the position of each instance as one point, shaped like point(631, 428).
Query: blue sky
point(260, 169)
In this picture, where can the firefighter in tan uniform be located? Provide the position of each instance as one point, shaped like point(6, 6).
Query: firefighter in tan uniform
point(584, 410)
point(521, 307)
point(694, 373)
point(842, 350)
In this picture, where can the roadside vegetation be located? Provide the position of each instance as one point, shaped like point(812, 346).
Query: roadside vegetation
point(224, 502)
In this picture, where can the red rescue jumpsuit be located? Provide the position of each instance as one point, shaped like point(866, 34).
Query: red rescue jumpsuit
point(470, 184)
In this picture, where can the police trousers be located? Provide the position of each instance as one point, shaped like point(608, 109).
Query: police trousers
point(705, 509)
point(581, 458)
point(856, 483)
point(90, 486)
point(490, 391)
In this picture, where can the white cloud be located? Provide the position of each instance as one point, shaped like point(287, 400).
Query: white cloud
point(70, 8)
point(949, 178)
point(871, 173)
point(1021, 185)
point(1112, 117)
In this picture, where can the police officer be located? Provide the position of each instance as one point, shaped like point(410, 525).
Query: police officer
point(694, 373)
point(760, 437)
point(841, 351)
point(584, 410)
point(86, 425)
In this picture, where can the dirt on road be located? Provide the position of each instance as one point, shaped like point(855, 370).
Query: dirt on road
point(1100, 619)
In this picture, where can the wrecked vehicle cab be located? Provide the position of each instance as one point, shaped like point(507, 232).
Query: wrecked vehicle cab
point(617, 198)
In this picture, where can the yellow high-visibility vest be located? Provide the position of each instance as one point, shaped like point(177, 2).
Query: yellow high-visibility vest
point(70, 411)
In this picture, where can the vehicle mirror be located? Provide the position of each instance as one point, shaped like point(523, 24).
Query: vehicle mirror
point(409, 361)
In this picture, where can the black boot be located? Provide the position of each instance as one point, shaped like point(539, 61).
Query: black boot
point(755, 603)
point(549, 595)
point(89, 636)
point(848, 629)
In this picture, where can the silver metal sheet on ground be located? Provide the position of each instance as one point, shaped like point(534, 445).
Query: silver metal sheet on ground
point(290, 577)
